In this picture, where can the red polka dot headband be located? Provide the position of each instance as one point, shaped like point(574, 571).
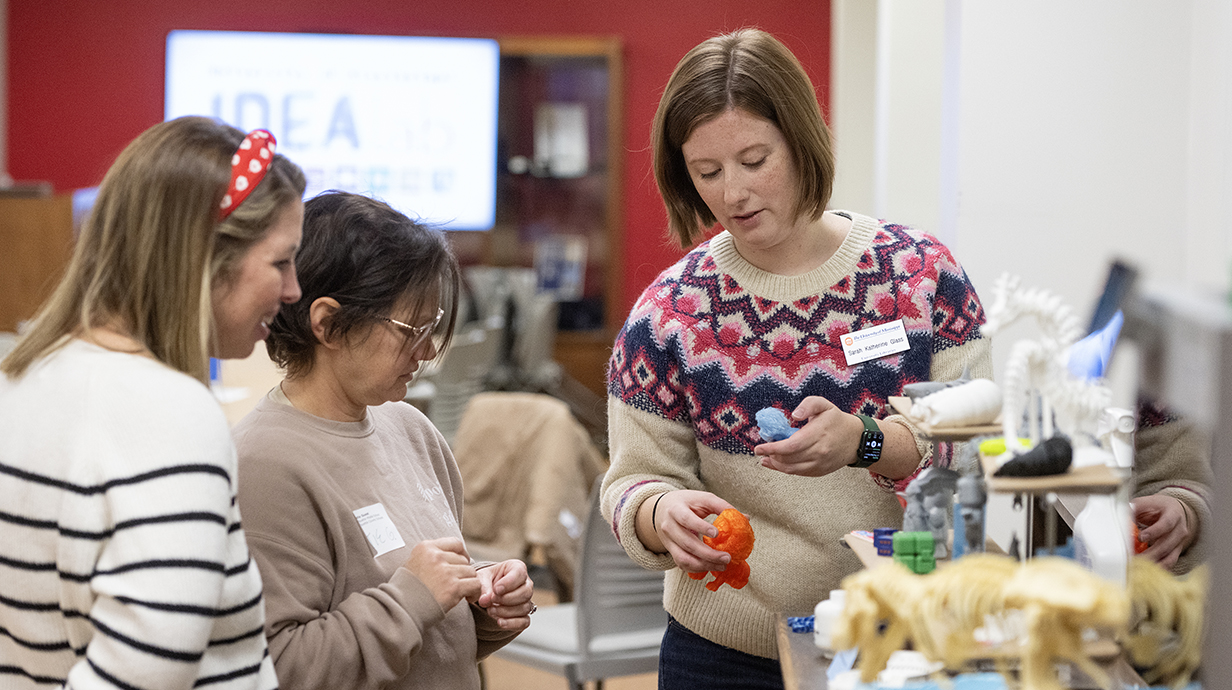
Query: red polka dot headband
point(248, 166)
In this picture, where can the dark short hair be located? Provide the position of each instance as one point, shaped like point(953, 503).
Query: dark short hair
point(369, 258)
point(751, 70)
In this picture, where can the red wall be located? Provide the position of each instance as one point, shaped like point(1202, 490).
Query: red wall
point(86, 76)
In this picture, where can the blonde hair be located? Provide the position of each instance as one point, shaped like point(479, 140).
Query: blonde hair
point(152, 246)
point(751, 70)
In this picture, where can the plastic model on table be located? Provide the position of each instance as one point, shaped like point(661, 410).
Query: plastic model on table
point(930, 506)
point(1037, 380)
point(1041, 611)
point(736, 538)
point(987, 607)
point(972, 498)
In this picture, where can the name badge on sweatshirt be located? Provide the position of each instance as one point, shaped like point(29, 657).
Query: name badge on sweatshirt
point(875, 341)
point(379, 529)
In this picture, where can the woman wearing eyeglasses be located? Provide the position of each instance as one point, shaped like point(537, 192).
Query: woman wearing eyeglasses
point(351, 499)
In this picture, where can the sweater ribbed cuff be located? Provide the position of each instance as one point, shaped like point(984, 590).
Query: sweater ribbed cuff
point(627, 527)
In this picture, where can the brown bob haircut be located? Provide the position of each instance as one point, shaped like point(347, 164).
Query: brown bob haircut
point(751, 70)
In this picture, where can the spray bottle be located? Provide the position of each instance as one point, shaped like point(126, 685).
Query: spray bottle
point(1103, 538)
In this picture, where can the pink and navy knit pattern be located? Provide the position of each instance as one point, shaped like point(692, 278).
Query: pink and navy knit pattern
point(700, 348)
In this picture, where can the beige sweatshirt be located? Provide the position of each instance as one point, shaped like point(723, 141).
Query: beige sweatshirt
point(337, 615)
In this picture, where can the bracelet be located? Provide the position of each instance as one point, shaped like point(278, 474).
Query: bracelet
point(655, 511)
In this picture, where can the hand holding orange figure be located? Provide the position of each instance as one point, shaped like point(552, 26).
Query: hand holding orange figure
point(736, 538)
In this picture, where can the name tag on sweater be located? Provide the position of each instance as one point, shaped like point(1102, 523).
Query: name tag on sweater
point(379, 529)
point(875, 341)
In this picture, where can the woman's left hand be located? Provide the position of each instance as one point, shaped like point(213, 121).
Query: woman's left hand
point(827, 442)
point(1164, 526)
point(505, 593)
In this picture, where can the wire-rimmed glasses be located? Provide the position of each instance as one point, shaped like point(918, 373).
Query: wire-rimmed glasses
point(416, 335)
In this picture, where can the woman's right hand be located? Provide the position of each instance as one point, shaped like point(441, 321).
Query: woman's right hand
point(445, 569)
point(677, 525)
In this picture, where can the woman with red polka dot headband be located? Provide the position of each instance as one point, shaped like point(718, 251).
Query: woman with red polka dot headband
point(122, 559)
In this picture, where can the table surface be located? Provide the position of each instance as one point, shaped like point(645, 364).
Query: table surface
point(804, 666)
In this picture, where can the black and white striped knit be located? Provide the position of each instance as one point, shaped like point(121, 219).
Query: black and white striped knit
point(122, 559)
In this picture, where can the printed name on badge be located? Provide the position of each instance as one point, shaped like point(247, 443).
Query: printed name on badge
point(875, 341)
point(379, 529)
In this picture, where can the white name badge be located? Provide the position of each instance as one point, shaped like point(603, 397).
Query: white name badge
point(379, 529)
point(875, 341)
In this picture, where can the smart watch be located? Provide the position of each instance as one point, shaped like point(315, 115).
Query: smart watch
point(871, 441)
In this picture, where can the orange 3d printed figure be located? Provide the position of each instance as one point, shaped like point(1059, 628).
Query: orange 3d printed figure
point(736, 538)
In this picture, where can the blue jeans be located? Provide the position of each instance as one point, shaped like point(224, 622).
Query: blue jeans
point(688, 661)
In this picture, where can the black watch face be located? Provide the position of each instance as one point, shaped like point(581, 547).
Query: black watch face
point(871, 446)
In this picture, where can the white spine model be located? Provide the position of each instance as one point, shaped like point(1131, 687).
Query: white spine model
point(1037, 379)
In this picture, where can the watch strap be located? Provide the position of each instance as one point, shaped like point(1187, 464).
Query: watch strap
point(871, 441)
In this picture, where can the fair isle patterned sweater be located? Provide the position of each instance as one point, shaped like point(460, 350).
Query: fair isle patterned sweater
point(715, 339)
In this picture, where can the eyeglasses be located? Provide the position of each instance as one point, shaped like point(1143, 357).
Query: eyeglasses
point(416, 335)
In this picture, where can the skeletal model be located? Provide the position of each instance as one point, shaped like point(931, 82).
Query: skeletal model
point(1037, 380)
point(985, 606)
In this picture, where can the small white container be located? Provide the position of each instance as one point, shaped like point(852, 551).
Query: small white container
point(824, 615)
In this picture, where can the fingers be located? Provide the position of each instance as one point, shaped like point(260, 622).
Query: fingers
point(1159, 517)
point(512, 617)
point(507, 583)
point(451, 545)
point(445, 569)
point(510, 581)
point(680, 524)
point(812, 406)
point(516, 603)
point(507, 595)
point(791, 463)
point(1164, 527)
point(825, 443)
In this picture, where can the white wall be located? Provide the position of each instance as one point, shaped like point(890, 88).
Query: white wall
point(1043, 138)
point(1209, 144)
point(1072, 145)
point(853, 101)
point(886, 107)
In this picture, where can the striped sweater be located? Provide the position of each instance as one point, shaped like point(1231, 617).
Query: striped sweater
point(122, 560)
point(713, 340)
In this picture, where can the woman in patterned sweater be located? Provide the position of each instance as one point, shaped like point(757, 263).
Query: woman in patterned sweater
point(122, 560)
point(756, 317)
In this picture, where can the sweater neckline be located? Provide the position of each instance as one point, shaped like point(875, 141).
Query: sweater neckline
point(781, 288)
point(360, 429)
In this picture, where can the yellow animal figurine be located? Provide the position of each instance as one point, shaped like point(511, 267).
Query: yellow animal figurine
point(1169, 613)
point(1056, 599)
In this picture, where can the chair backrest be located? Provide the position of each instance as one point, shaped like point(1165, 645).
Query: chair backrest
point(461, 373)
point(615, 596)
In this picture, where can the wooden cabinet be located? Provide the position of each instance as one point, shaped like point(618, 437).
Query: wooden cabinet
point(559, 178)
point(36, 242)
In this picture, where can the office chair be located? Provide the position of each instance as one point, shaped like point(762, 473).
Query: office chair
point(615, 623)
point(459, 375)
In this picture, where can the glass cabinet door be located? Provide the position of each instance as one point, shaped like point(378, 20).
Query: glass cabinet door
point(559, 177)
